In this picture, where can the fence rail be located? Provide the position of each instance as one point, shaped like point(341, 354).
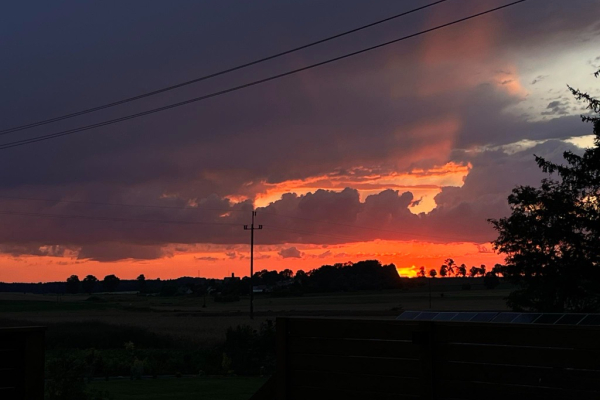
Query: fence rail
point(361, 359)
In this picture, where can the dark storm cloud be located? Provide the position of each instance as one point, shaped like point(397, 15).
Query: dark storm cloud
point(365, 111)
point(320, 217)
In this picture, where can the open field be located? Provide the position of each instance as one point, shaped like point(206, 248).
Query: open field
point(226, 388)
point(184, 317)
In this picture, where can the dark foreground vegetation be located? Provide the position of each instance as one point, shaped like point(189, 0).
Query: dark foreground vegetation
point(80, 352)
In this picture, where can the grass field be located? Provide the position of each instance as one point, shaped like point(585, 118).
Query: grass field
point(226, 388)
point(183, 317)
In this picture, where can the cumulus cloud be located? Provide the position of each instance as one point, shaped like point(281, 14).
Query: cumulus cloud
point(290, 252)
point(32, 249)
point(325, 254)
point(117, 251)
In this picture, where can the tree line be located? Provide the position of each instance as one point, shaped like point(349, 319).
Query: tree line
point(491, 278)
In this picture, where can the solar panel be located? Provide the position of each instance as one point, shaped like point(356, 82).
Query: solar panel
point(408, 315)
point(426, 316)
point(502, 317)
point(570, 319)
point(445, 316)
point(505, 317)
point(483, 317)
point(464, 316)
point(591, 319)
point(548, 318)
point(526, 318)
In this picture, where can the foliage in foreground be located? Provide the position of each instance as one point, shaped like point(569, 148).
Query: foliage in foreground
point(96, 349)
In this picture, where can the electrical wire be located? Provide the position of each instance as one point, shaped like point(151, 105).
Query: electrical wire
point(343, 237)
point(112, 219)
point(95, 203)
point(213, 75)
point(246, 85)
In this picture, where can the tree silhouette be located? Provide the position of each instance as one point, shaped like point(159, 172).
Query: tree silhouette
point(141, 283)
point(73, 284)
point(443, 270)
point(432, 273)
point(450, 265)
point(461, 270)
point(552, 238)
point(110, 283)
point(88, 283)
point(286, 274)
point(421, 272)
point(473, 271)
point(481, 270)
point(300, 277)
point(491, 280)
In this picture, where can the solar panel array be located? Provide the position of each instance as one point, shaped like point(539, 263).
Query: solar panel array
point(503, 317)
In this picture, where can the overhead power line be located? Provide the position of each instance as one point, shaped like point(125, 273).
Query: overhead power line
point(97, 203)
point(300, 232)
point(213, 75)
point(246, 85)
point(112, 219)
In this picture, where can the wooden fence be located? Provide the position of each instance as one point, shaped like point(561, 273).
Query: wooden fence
point(362, 359)
point(22, 363)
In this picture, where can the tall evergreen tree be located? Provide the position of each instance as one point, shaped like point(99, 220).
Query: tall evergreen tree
point(552, 238)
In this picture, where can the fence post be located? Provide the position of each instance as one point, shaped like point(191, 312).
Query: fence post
point(34, 364)
point(282, 372)
point(424, 338)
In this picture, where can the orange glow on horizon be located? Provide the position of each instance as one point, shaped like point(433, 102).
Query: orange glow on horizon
point(221, 262)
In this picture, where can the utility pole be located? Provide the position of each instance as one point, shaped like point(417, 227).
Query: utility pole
point(251, 229)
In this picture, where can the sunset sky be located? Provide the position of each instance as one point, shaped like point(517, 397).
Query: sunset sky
point(400, 154)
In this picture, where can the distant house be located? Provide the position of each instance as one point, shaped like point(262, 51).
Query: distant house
point(231, 278)
point(260, 289)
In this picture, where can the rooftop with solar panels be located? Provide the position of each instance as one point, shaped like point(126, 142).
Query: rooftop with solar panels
point(503, 317)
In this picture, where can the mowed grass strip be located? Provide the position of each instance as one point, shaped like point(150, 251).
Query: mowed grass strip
point(214, 388)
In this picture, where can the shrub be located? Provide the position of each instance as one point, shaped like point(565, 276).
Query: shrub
point(251, 351)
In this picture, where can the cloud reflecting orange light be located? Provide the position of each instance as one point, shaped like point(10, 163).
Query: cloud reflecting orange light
point(423, 183)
